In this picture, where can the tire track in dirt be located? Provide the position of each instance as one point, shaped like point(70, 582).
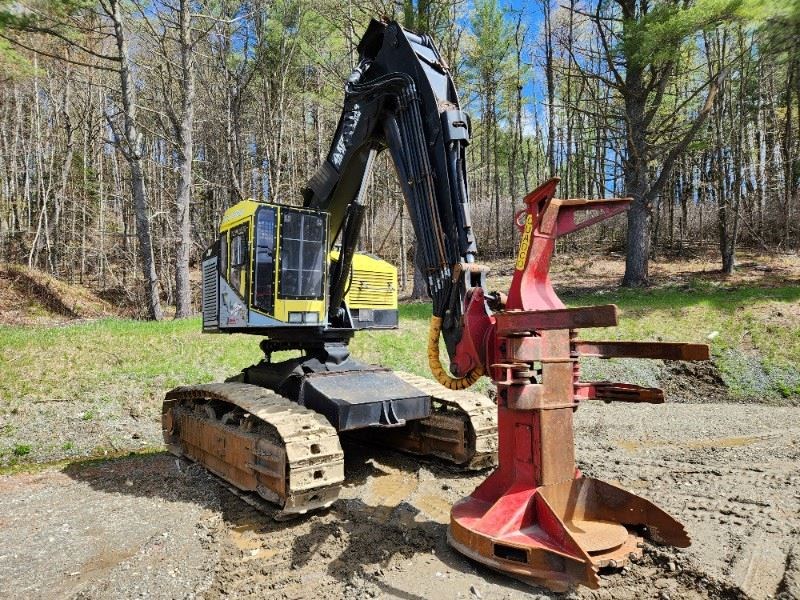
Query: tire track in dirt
point(729, 472)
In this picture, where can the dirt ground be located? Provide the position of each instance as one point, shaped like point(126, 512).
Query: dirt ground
point(28, 296)
point(576, 272)
point(155, 526)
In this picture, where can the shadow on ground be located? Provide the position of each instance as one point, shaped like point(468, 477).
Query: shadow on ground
point(355, 543)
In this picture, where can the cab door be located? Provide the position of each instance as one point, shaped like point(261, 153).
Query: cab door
point(239, 259)
point(265, 256)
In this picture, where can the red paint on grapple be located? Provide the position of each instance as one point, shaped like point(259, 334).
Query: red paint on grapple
point(536, 517)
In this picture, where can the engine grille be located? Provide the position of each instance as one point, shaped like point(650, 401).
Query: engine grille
point(372, 289)
point(210, 293)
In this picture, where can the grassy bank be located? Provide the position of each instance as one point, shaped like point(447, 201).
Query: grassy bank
point(754, 332)
point(750, 330)
point(93, 388)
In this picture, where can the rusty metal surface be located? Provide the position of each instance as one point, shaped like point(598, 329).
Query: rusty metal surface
point(587, 499)
point(578, 213)
point(551, 344)
point(258, 441)
point(557, 571)
point(597, 536)
point(618, 392)
point(556, 446)
point(562, 533)
point(536, 517)
point(462, 429)
point(515, 322)
point(520, 397)
point(662, 350)
point(557, 381)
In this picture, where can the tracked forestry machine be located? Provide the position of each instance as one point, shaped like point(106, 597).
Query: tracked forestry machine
point(292, 275)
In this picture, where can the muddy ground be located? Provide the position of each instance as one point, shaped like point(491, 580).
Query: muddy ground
point(155, 526)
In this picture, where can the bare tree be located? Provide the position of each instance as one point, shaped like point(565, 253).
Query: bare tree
point(128, 139)
point(641, 70)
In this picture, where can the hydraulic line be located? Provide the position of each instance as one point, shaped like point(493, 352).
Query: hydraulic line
point(435, 363)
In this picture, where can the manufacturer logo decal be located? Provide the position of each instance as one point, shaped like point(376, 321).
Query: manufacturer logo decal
point(525, 243)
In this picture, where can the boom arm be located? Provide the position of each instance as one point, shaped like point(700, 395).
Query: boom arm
point(401, 97)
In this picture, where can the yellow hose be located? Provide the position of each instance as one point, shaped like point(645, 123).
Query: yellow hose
point(435, 364)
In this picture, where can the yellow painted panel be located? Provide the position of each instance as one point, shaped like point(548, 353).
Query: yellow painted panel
point(374, 283)
point(283, 307)
point(238, 213)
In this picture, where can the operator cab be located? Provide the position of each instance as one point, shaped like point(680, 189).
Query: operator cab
point(268, 271)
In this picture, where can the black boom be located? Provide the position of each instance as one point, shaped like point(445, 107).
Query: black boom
point(401, 97)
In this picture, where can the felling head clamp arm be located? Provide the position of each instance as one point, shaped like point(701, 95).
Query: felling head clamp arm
point(537, 517)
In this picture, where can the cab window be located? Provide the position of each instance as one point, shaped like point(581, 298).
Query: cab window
point(302, 255)
point(239, 257)
point(264, 290)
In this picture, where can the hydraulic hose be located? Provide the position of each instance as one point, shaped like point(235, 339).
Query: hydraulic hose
point(435, 363)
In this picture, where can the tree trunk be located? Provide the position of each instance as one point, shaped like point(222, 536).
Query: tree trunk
point(638, 252)
point(551, 90)
point(788, 155)
point(638, 246)
point(183, 292)
point(131, 146)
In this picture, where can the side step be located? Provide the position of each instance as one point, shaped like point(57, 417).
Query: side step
point(258, 441)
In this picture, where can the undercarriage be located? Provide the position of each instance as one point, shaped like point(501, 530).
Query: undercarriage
point(274, 428)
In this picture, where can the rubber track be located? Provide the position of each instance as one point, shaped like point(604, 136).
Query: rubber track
point(314, 460)
point(480, 411)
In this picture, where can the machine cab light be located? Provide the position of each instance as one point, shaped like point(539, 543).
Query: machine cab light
point(304, 317)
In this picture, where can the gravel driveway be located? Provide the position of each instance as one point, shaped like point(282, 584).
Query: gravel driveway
point(153, 526)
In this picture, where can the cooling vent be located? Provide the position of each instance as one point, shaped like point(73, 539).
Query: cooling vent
point(371, 288)
point(210, 293)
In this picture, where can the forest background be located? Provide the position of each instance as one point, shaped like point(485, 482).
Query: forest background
point(128, 126)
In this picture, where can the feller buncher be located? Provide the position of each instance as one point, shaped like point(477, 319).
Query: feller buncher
point(292, 275)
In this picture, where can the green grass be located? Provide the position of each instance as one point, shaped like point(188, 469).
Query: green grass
point(21, 450)
point(110, 359)
point(754, 332)
point(757, 346)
